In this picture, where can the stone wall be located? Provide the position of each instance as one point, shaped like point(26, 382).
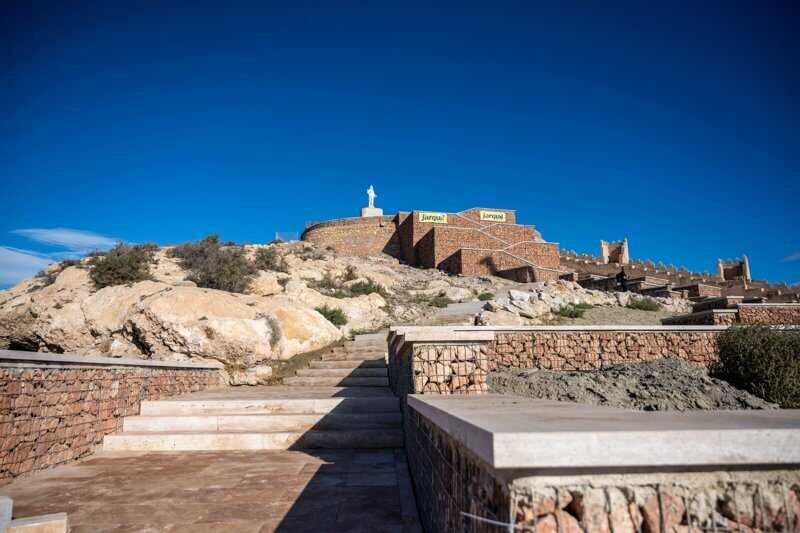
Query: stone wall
point(592, 350)
point(459, 367)
point(449, 481)
point(783, 314)
point(742, 314)
point(357, 236)
point(449, 369)
point(52, 415)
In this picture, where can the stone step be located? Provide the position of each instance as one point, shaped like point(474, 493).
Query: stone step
point(347, 364)
point(344, 372)
point(272, 423)
point(352, 357)
point(336, 382)
point(270, 406)
point(365, 354)
point(279, 440)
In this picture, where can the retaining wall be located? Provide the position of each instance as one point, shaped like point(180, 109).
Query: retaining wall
point(457, 360)
point(457, 490)
point(769, 314)
point(55, 408)
point(357, 236)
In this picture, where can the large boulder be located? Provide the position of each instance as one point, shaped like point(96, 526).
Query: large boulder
point(363, 312)
point(266, 284)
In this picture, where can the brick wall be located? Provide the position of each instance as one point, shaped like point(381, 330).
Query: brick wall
point(543, 254)
point(513, 234)
point(443, 241)
point(50, 416)
point(450, 480)
point(357, 236)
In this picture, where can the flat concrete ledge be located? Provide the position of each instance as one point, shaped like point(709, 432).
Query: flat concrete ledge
point(520, 433)
point(580, 327)
point(42, 359)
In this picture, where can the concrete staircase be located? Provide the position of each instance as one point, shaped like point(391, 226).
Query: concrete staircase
point(340, 401)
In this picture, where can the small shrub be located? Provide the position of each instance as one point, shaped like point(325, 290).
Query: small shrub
point(214, 267)
point(763, 361)
point(275, 327)
point(122, 264)
point(334, 315)
point(644, 304)
point(440, 300)
point(350, 273)
point(339, 293)
point(571, 311)
point(309, 253)
point(225, 270)
point(486, 296)
point(328, 281)
point(192, 254)
point(366, 287)
point(269, 259)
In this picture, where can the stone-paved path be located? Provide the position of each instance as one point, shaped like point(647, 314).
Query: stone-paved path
point(323, 452)
point(263, 491)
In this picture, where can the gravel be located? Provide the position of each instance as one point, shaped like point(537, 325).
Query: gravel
point(661, 385)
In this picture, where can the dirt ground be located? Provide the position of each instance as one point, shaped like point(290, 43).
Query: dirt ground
point(601, 316)
point(662, 385)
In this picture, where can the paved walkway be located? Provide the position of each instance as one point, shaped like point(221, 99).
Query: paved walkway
point(286, 491)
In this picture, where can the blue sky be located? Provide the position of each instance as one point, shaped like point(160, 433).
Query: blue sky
point(675, 125)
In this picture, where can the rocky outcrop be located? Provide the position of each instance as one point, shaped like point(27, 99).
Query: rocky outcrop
point(540, 303)
point(164, 318)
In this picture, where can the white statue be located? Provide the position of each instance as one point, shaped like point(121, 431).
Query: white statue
point(371, 194)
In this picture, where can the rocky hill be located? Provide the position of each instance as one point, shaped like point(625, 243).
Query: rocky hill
point(281, 300)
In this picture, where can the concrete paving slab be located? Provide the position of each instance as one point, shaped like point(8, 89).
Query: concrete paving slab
point(515, 432)
point(232, 491)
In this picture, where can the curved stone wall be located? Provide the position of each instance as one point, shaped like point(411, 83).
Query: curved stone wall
point(356, 236)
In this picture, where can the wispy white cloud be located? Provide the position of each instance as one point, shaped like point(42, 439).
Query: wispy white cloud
point(72, 239)
point(792, 257)
point(16, 265)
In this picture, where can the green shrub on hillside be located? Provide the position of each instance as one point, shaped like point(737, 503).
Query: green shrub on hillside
point(367, 287)
point(350, 273)
point(216, 267)
point(572, 311)
point(440, 300)
point(485, 296)
point(334, 315)
point(763, 361)
point(644, 304)
point(122, 264)
point(269, 259)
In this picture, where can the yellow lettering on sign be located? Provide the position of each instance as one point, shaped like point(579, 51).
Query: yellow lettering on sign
point(493, 216)
point(433, 218)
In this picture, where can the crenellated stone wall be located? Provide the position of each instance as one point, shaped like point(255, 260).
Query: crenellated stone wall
point(54, 414)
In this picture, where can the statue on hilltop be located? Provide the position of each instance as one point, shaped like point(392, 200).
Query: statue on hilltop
point(371, 210)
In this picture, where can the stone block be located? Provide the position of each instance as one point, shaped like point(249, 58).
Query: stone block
point(49, 523)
